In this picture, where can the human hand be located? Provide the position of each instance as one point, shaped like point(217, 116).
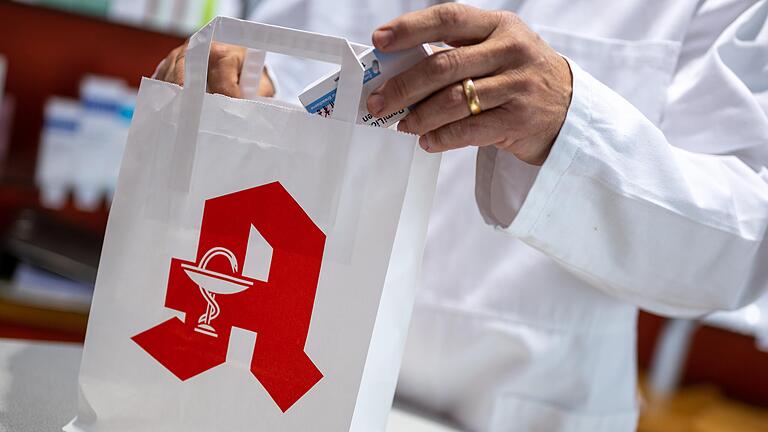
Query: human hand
point(225, 63)
point(523, 85)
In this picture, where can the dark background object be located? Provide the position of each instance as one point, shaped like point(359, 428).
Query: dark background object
point(48, 53)
point(54, 245)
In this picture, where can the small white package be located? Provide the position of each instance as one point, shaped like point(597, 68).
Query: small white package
point(102, 134)
point(320, 96)
point(56, 165)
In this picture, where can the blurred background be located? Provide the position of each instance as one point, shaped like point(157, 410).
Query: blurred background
point(68, 76)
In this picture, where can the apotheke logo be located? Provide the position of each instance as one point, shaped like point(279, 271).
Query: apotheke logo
point(215, 295)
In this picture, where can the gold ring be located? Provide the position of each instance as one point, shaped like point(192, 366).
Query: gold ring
point(471, 93)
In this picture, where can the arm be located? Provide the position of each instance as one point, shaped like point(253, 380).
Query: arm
point(640, 212)
point(648, 213)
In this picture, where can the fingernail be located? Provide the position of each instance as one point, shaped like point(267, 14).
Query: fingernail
point(424, 142)
point(375, 103)
point(382, 38)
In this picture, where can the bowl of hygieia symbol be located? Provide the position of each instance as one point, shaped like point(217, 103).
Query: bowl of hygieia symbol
point(216, 282)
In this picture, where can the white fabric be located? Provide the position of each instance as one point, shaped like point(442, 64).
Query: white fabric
point(646, 212)
point(652, 197)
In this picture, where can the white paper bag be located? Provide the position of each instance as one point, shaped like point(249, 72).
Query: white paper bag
point(260, 263)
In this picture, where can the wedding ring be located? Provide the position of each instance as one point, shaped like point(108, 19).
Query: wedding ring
point(471, 93)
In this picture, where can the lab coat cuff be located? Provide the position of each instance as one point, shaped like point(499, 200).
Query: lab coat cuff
point(516, 209)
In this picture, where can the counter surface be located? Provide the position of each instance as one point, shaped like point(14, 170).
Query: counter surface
point(38, 390)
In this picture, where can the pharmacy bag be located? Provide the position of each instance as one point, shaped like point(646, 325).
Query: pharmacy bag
point(260, 263)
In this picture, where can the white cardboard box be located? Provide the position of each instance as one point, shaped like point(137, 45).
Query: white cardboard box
point(319, 97)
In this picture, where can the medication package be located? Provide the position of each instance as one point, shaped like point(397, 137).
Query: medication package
point(320, 96)
point(82, 143)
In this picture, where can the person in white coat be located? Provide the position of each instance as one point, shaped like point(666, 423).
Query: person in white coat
point(621, 164)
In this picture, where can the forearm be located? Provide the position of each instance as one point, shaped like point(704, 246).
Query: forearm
point(671, 230)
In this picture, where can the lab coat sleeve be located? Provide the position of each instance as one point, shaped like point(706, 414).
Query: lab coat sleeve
point(672, 218)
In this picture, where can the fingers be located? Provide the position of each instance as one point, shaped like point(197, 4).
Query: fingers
point(160, 69)
point(445, 22)
point(450, 104)
point(224, 66)
point(434, 73)
point(172, 67)
point(167, 69)
point(481, 130)
point(176, 71)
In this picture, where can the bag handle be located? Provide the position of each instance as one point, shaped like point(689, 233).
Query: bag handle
point(253, 67)
point(266, 37)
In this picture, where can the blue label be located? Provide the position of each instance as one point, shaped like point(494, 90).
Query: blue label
point(330, 97)
point(61, 124)
point(100, 105)
point(321, 102)
point(126, 113)
point(370, 74)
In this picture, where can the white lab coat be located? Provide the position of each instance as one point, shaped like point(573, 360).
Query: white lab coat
point(655, 195)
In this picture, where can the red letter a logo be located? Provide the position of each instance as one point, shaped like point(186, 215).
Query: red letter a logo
point(215, 296)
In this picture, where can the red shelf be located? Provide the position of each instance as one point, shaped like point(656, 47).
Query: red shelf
point(729, 360)
point(49, 51)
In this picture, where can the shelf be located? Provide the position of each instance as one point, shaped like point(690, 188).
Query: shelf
point(75, 46)
point(97, 11)
point(20, 318)
point(16, 197)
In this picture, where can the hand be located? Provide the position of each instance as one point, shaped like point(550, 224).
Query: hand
point(224, 66)
point(524, 86)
